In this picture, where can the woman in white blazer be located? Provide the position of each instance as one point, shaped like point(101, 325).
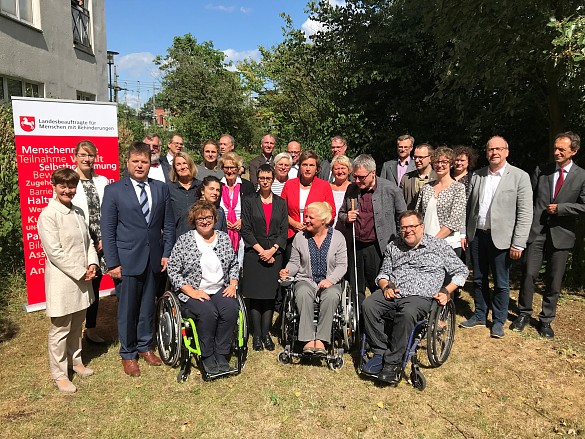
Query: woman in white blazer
point(90, 192)
point(71, 265)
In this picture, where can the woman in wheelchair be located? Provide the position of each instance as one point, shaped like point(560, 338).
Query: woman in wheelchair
point(204, 268)
point(318, 262)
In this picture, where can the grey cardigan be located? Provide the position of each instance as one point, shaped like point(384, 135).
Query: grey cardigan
point(299, 265)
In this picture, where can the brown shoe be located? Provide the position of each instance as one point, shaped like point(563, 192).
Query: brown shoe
point(150, 357)
point(131, 368)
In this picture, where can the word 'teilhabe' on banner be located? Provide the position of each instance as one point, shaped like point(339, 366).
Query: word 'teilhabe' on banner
point(46, 132)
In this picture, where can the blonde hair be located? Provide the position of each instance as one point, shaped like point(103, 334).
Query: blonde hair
point(342, 160)
point(190, 163)
point(323, 209)
point(231, 156)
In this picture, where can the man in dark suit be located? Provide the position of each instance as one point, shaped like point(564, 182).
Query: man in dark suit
point(138, 234)
point(266, 156)
point(413, 181)
point(394, 170)
point(559, 199)
point(377, 205)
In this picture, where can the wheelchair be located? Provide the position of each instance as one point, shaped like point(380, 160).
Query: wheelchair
point(344, 331)
point(177, 339)
point(438, 328)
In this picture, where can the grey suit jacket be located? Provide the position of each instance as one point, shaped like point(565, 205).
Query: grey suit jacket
point(388, 204)
point(390, 170)
point(408, 187)
point(570, 201)
point(510, 211)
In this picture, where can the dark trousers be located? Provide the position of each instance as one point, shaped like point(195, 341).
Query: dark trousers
point(556, 260)
point(388, 323)
point(369, 261)
point(136, 307)
point(485, 257)
point(91, 315)
point(215, 320)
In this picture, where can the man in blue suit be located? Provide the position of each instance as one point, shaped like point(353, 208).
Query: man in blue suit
point(138, 234)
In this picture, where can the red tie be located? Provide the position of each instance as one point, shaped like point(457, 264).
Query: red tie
point(560, 182)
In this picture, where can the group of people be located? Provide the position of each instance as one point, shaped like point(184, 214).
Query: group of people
point(210, 231)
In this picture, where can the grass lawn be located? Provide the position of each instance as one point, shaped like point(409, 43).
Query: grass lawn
point(519, 387)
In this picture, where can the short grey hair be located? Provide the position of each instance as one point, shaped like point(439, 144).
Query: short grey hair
point(365, 161)
point(283, 155)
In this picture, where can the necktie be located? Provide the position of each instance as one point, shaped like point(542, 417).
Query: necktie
point(560, 182)
point(144, 201)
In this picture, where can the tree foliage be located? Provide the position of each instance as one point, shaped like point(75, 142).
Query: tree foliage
point(204, 98)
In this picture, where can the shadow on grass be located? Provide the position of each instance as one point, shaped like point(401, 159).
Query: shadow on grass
point(8, 326)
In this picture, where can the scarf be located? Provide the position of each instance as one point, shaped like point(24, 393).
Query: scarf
point(231, 212)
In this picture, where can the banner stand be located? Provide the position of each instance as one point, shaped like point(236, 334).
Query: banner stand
point(42, 306)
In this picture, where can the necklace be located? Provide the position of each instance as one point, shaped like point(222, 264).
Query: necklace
point(266, 200)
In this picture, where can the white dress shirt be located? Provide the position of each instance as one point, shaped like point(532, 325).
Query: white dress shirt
point(490, 186)
point(138, 190)
point(566, 170)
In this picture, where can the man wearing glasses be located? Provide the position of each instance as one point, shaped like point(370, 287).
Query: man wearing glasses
point(394, 170)
point(412, 276)
point(499, 212)
point(413, 181)
point(174, 146)
point(294, 149)
point(372, 205)
point(338, 147)
point(158, 170)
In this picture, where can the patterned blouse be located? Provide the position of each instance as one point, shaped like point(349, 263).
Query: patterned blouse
point(93, 207)
point(318, 256)
point(184, 265)
point(451, 204)
point(421, 270)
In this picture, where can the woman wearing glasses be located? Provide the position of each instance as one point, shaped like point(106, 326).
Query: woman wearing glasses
point(234, 189)
point(204, 269)
point(264, 228)
point(442, 202)
point(90, 192)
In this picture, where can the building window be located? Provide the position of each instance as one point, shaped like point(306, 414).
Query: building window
point(16, 87)
point(81, 23)
point(81, 96)
point(20, 9)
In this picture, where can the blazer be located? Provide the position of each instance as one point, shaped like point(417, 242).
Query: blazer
point(127, 239)
point(570, 201)
point(451, 204)
point(246, 188)
point(510, 211)
point(69, 251)
point(408, 187)
point(388, 204)
point(390, 170)
point(255, 163)
point(166, 167)
point(299, 265)
point(80, 199)
point(254, 223)
point(320, 191)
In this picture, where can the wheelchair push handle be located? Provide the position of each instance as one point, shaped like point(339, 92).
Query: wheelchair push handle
point(287, 281)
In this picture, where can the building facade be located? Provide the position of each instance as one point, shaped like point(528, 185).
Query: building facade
point(53, 49)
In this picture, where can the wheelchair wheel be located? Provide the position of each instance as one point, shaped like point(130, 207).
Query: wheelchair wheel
point(169, 338)
point(350, 323)
point(418, 380)
point(440, 332)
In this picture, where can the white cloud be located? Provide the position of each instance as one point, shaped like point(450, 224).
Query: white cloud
point(244, 10)
point(136, 65)
point(227, 9)
point(234, 56)
point(311, 27)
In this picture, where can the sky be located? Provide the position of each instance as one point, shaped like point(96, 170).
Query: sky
point(141, 29)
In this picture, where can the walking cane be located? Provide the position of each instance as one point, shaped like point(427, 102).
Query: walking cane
point(357, 295)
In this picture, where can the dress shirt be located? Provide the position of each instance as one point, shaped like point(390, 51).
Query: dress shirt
point(566, 170)
point(170, 158)
point(138, 190)
point(156, 173)
point(490, 186)
point(293, 171)
point(401, 168)
point(421, 180)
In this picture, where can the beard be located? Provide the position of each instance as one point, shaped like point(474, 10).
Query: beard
point(154, 157)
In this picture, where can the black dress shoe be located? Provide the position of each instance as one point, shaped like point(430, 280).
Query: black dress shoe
point(391, 374)
point(520, 323)
point(268, 343)
point(257, 344)
point(546, 331)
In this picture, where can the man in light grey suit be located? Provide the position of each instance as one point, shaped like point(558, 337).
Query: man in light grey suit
point(559, 200)
point(377, 204)
point(394, 170)
point(499, 213)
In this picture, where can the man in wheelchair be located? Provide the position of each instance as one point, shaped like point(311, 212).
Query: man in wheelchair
point(413, 274)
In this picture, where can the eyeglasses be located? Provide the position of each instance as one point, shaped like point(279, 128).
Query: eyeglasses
point(230, 168)
point(86, 156)
point(498, 149)
point(442, 163)
point(360, 177)
point(265, 178)
point(421, 157)
point(178, 143)
point(155, 146)
point(409, 228)
point(204, 219)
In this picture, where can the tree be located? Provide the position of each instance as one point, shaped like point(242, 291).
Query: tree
point(204, 98)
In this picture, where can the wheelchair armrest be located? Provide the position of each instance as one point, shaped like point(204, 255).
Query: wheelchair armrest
point(286, 282)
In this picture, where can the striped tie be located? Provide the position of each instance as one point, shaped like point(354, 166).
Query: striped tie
point(144, 201)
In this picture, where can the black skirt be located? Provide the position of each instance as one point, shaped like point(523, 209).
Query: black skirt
point(260, 280)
